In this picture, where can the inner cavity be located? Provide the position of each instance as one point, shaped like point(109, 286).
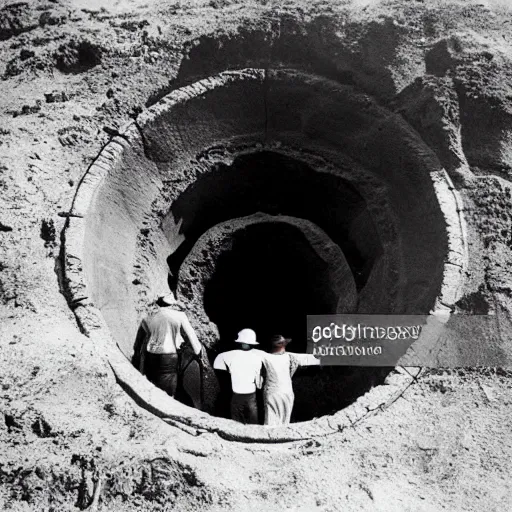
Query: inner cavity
point(267, 273)
point(276, 183)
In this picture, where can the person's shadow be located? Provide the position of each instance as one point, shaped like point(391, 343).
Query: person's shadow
point(197, 382)
point(138, 349)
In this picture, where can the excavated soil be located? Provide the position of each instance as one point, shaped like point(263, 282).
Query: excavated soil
point(175, 145)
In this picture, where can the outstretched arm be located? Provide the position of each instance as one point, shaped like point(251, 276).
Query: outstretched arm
point(191, 336)
point(306, 359)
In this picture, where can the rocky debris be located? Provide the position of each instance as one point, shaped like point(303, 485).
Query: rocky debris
point(494, 213)
point(27, 109)
point(218, 4)
point(16, 289)
point(110, 131)
point(78, 56)
point(449, 53)
point(481, 78)
point(47, 18)
point(56, 97)
point(16, 19)
point(73, 135)
point(26, 54)
point(100, 14)
point(431, 106)
point(48, 233)
point(38, 487)
point(42, 428)
point(25, 61)
point(131, 25)
point(135, 111)
point(11, 423)
point(155, 483)
point(88, 483)
point(31, 109)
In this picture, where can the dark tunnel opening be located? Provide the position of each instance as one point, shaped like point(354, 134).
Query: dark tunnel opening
point(269, 279)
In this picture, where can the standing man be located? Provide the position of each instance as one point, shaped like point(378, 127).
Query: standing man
point(244, 365)
point(165, 332)
point(279, 367)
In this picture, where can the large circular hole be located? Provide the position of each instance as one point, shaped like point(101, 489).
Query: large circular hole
point(285, 144)
point(268, 273)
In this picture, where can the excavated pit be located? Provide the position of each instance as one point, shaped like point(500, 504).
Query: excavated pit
point(257, 191)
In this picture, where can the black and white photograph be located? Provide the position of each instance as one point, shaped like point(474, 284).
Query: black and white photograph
point(256, 255)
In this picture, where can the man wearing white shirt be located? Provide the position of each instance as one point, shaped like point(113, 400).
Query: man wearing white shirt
point(244, 366)
point(165, 332)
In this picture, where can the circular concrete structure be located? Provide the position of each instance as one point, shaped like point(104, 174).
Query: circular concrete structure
point(324, 156)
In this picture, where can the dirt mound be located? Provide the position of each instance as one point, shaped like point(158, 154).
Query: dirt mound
point(77, 56)
point(16, 19)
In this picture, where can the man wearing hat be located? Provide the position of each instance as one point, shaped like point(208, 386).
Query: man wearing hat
point(165, 332)
point(244, 365)
point(278, 368)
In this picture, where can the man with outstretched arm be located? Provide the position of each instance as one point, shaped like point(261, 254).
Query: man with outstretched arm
point(278, 368)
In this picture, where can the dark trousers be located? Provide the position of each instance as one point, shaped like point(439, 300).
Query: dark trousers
point(244, 408)
point(162, 371)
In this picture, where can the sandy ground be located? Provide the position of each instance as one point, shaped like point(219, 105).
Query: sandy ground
point(444, 445)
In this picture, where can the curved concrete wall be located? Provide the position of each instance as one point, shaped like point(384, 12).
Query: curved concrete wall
point(122, 227)
point(127, 242)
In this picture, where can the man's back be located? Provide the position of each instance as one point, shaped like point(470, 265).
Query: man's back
point(244, 367)
point(277, 369)
point(164, 329)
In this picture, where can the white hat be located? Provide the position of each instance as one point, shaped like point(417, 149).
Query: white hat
point(247, 336)
point(168, 299)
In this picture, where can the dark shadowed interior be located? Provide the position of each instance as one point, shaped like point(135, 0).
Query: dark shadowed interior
point(268, 277)
point(275, 183)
